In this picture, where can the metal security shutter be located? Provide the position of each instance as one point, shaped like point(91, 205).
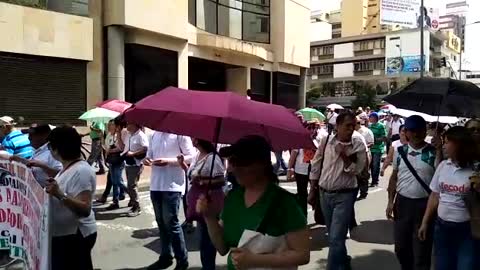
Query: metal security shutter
point(42, 89)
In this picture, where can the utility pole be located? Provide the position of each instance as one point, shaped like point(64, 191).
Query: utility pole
point(422, 49)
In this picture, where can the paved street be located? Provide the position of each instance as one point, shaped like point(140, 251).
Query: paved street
point(132, 243)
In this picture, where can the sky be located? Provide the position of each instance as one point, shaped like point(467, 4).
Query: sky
point(471, 58)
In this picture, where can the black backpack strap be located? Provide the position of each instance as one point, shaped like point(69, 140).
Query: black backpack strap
point(403, 154)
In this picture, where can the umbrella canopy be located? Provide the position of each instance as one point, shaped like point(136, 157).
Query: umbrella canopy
point(310, 113)
point(99, 115)
point(427, 117)
point(388, 107)
point(115, 105)
point(439, 96)
point(222, 117)
point(335, 107)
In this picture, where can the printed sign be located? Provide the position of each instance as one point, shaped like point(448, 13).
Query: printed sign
point(24, 216)
point(403, 64)
point(400, 12)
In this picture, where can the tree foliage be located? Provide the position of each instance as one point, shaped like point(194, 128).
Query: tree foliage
point(366, 96)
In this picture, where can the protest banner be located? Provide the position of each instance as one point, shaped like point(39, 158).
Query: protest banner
point(24, 219)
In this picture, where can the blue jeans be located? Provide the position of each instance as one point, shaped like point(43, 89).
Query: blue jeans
point(338, 211)
point(375, 167)
point(116, 172)
point(208, 252)
point(166, 206)
point(454, 246)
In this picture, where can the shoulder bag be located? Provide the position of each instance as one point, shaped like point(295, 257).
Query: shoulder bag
point(318, 214)
point(403, 154)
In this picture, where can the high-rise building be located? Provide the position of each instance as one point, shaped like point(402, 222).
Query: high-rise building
point(454, 23)
point(459, 8)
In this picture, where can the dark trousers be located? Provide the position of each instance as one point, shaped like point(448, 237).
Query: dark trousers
point(166, 206)
point(302, 191)
point(280, 162)
point(96, 154)
point(412, 253)
point(73, 252)
point(208, 252)
point(363, 186)
point(375, 167)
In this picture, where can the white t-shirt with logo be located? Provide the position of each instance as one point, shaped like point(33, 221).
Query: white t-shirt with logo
point(453, 184)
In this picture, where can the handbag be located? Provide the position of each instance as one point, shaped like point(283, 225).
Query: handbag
point(132, 160)
point(318, 214)
point(215, 193)
point(402, 153)
point(114, 158)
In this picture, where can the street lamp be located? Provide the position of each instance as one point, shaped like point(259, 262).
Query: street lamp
point(461, 51)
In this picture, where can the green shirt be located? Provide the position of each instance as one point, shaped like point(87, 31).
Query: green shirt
point(94, 135)
point(284, 216)
point(378, 131)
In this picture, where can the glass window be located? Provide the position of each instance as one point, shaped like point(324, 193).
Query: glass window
point(230, 22)
point(241, 19)
point(207, 15)
point(256, 27)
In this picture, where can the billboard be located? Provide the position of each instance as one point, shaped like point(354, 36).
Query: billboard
point(454, 42)
point(406, 13)
point(403, 64)
point(399, 12)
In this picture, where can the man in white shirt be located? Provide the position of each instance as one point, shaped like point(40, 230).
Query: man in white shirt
point(394, 128)
point(331, 120)
point(42, 163)
point(136, 145)
point(167, 185)
point(367, 134)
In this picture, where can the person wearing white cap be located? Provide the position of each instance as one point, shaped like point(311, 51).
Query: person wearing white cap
point(14, 141)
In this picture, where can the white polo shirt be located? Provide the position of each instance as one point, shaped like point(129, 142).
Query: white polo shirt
point(423, 161)
point(395, 126)
point(453, 184)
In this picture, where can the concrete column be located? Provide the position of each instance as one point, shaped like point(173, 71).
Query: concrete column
point(95, 68)
point(238, 80)
point(116, 62)
point(183, 67)
point(302, 89)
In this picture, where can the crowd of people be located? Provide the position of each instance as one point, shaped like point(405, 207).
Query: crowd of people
point(433, 190)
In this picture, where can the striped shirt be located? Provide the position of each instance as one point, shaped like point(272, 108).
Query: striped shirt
point(17, 143)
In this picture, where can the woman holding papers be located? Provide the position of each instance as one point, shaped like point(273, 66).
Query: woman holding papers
point(262, 225)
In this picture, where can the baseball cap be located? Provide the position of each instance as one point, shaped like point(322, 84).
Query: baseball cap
point(248, 150)
point(373, 114)
point(415, 122)
point(7, 121)
point(38, 129)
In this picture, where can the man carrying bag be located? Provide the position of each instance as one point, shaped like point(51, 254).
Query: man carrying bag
point(408, 191)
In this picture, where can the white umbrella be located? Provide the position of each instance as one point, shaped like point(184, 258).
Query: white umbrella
point(99, 115)
point(335, 107)
point(427, 117)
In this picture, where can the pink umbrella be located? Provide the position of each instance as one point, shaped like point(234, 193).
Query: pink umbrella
point(115, 105)
point(222, 117)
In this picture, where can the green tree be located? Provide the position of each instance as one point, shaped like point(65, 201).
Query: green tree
point(366, 96)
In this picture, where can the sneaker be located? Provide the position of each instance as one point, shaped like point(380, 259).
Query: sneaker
point(181, 265)
point(362, 197)
point(188, 227)
point(121, 197)
point(113, 206)
point(135, 211)
point(130, 203)
point(374, 185)
point(160, 264)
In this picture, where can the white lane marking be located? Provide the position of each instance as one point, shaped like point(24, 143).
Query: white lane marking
point(116, 227)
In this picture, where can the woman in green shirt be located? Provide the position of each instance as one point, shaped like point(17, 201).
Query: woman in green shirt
point(258, 204)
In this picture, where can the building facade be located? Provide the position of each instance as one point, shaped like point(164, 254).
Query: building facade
point(45, 51)
point(128, 49)
point(384, 61)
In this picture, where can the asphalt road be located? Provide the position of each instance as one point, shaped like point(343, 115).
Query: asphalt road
point(132, 243)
